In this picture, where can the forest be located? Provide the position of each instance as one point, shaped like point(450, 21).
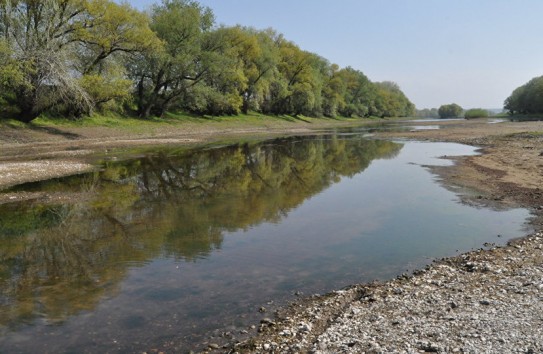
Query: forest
point(71, 58)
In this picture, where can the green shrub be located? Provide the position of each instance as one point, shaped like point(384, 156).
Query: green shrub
point(476, 113)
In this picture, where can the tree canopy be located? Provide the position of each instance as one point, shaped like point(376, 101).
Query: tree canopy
point(450, 111)
point(476, 113)
point(71, 57)
point(526, 99)
point(427, 113)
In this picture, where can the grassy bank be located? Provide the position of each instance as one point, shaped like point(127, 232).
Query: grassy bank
point(48, 129)
point(45, 135)
point(179, 119)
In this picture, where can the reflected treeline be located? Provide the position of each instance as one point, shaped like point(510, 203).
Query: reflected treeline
point(58, 260)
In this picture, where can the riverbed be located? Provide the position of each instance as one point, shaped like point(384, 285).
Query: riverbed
point(176, 248)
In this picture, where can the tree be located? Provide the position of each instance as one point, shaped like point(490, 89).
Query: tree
point(333, 92)
point(40, 35)
point(476, 113)
point(358, 92)
point(297, 88)
point(390, 101)
point(526, 99)
point(117, 33)
point(163, 77)
point(260, 68)
point(427, 113)
point(56, 42)
point(450, 111)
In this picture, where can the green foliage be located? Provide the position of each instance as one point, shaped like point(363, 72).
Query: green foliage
point(526, 99)
point(164, 76)
point(427, 113)
point(476, 113)
point(390, 101)
point(357, 97)
point(450, 111)
point(68, 58)
point(48, 45)
point(109, 90)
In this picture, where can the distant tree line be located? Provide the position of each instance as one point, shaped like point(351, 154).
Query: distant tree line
point(444, 111)
point(452, 110)
point(526, 99)
point(427, 113)
point(72, 57)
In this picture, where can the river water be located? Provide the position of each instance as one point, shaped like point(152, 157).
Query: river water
point(170, 248)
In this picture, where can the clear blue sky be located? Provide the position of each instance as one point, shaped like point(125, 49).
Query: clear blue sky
point(471, 52)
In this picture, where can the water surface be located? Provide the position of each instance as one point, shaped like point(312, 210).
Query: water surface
point(167, 249)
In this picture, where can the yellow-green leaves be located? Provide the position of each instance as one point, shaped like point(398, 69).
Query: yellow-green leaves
point(114, 28)
point(69, 57)
point(58, 54)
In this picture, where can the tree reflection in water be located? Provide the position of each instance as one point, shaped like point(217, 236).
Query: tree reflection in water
point(57, 260)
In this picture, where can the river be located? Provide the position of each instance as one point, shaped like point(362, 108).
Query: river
point(169, 249)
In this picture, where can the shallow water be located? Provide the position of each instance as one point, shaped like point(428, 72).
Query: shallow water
point(424, 127)
point(167, 249)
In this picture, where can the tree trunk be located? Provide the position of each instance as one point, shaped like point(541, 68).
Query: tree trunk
point(141, 94)
point(147, 110)
point(26, 116)
point(245, 105)
point(25, 103)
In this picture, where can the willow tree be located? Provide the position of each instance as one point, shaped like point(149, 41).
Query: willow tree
point(334, 91)
point(163, 77)
point(57, 42)
point(117, 33)
point(260, 57)
point(39, 35)
point(297, 87)
point(357, 94)
point(450, 111)
point(390, 101)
